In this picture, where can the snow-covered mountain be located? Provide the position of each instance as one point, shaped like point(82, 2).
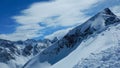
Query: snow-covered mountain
point(16, 53)
point(78, 43)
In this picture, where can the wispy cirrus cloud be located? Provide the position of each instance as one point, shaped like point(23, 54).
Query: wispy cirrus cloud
point(55, 13)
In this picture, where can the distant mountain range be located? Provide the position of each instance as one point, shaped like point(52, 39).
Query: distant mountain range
point(14, 51)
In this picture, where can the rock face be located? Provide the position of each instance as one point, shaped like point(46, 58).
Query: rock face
point(7, 50)
point(70, 42)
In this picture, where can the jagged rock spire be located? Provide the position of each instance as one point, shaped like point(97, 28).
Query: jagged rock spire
point(108, 11)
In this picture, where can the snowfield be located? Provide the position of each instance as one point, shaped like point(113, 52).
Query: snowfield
point(109, 58)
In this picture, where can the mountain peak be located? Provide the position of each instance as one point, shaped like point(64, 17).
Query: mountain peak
point(107, 11)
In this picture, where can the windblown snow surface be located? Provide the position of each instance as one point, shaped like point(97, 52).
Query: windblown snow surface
point(109, 58)
point(3, 65)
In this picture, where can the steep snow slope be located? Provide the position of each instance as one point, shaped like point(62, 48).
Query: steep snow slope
point(109, 58)
point(73, 39)
point(94, 45)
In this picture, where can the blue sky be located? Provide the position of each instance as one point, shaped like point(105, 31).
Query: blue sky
point(10, 8)
point(27, 19)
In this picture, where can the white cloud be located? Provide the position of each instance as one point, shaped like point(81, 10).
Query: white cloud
point(23, 32)
point(69, 12)
point(52, 14)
